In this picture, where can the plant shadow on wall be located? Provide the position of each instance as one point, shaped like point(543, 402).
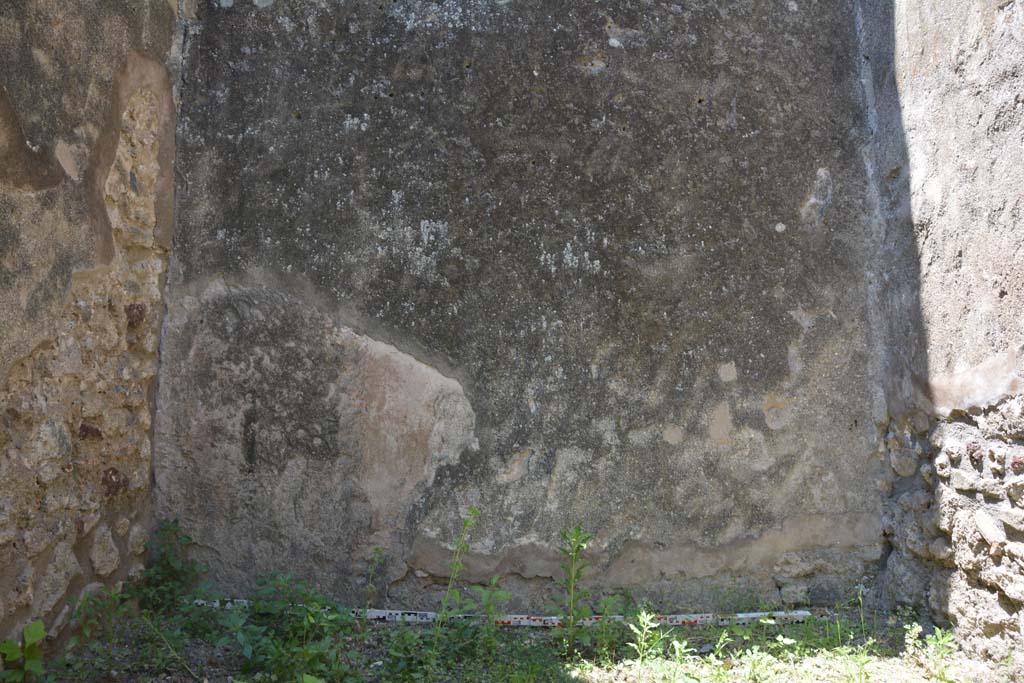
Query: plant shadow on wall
point(168, 626)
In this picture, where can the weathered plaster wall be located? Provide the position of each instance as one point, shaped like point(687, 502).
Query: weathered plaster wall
point(949, 103)
point(959, 72)
point(86, 188)
point(734, 285)
point(607, 264)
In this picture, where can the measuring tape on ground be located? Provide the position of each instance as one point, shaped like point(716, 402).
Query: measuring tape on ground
point(701, 619)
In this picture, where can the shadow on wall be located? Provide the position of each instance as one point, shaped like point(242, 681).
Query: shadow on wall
point(955, 443)
point(895, 288)
point(21, 166)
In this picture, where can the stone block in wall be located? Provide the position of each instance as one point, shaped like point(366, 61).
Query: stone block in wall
point(61, 568)
point(1015, 490)
point(104, 554)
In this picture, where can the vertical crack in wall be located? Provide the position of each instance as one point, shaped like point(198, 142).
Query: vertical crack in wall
point(75, 434)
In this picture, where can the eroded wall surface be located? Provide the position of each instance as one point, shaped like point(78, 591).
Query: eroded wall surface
point(960, 75)
point(567, 262)
point(86, 188)
point(950, 112)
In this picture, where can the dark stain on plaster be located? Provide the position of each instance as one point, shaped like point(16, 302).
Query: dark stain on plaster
point(87, 430)
point(53, 286)
point(114, 482)
point(10, 240)
point(9, 237)
point(21, 166)
point(249, 427)
point(135, 314)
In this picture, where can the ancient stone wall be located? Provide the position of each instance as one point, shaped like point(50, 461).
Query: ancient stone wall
point(737, 286)
point(567, 262)
point(950, 166)
point(86, 153)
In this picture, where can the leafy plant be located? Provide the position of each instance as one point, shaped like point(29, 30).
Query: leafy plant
point(451, 596)
point(170, 573)
point(912, 638)
point(758, 664)
point(939, 648)
point(682, 654)
point(490, 600)
point(574, 542)
point(608, 633)
point(240, 631)
point(720, 664)
point(95, 615)
point(171, 650)
point(370, 591)
point(857, 661)
point(24, 661)
point(648, 638)
point(291, 631)
point(452, 601)
point(405, 661)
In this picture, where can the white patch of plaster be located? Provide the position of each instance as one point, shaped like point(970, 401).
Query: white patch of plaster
point(778, 411)
point(984, 384)
point(569, 464)
point(796, 364)
point(43, 61)
point(932, 191)
point(673, 435)
point(642, 437)
point(67, 156)
point(814, 207)
point(727, 372)
point(803, 318)
point(780, 228)
point(517, 466)
point(606, 427)
point(352, 123)
point(720, 424)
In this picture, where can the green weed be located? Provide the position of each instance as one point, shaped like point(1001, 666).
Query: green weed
point(452, 602)
point(574, 542)
point(95, 615)
point(491, 601)
point(939, 647)
point(608, 633)
point(170, 573)
point(370, 591)
point(23, 661)
point(648, 638)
